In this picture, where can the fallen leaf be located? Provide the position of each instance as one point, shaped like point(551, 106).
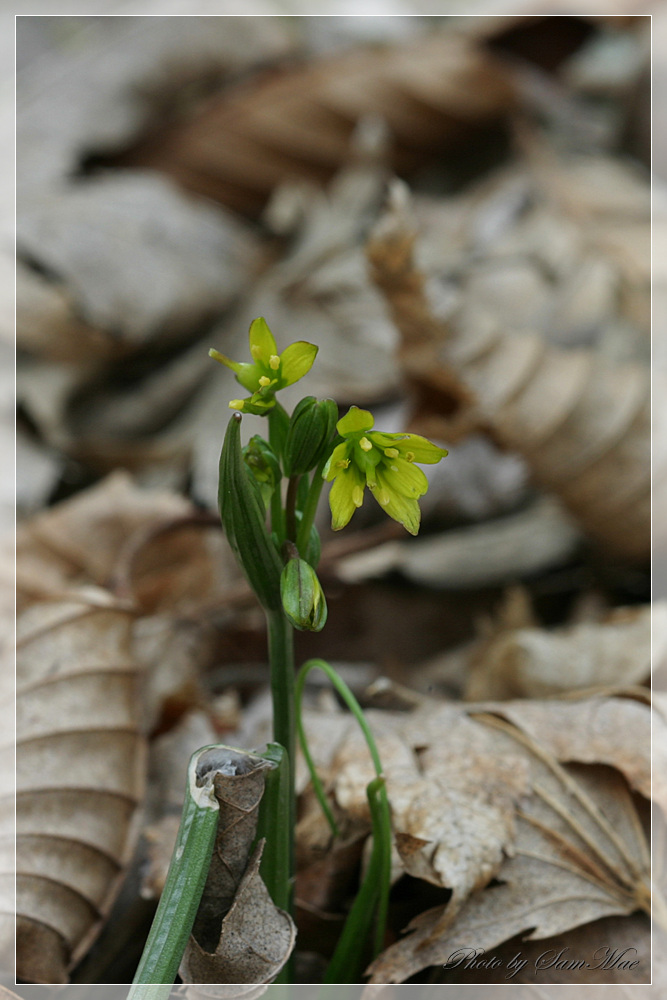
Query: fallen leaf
point(80, 776)
point(535, 662)
point(533, 794)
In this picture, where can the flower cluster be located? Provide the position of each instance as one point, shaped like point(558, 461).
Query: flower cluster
point(384, 463)
point(269, 370)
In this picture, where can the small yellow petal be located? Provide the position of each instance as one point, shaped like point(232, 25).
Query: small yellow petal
point(365, 444)
point(274, 362)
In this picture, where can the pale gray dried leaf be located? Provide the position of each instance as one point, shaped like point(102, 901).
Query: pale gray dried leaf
point(138, 257)
point(480, 555)
point(534, 663)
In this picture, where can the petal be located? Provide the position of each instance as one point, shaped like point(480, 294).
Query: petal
point(262, 341)
point(339, 454)
point(421, 449)
point(355, 420)
point(404, 477)
point(296, 361)
point(400, 508)
point(345, 496)
point(247, 375)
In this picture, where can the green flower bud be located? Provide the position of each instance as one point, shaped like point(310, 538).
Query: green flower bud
point(303, 598)
point(263, 466)
point(309, 434)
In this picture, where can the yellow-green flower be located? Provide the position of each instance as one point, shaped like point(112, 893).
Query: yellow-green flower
point(269, 371)
point(384, 463)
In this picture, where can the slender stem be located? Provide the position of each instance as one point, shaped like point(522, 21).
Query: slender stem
point(290, 507)
point(181, 895)
point(281, 659)
point(374, 893)
point(273, 825)
point(310, 507)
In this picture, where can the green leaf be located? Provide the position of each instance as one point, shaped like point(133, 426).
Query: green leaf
point(243, 519)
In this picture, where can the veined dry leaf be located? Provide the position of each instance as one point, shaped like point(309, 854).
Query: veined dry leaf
point(296, 124)
point(78, 541)
point(239, 935)
point(533, 794)
point(80, 776)
point(581, 423)
point(534, 663)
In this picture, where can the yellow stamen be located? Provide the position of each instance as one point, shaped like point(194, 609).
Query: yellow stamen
point(264, 381)
point(274, 362)
point(391, 453)
point(410, 456)
point(384, 498)
point(236, 404)
point(357, 496)
point(365, 444)
point(342, 464)
point(256, 352)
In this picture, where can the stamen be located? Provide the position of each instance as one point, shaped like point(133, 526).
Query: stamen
point(256, 352)
point(264, 381)
point(391, 453)
point(342, 464)
point(384, 498)
point(410, 456)
point(357, 496)
point(236, 404)
point(274, 362)
point(365, 444)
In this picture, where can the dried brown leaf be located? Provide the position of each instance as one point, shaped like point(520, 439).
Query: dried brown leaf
point(239, 935)
point(80, 775)
point(296, 124)
point(476, 798)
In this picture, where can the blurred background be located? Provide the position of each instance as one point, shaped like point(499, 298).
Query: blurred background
point(179, 176)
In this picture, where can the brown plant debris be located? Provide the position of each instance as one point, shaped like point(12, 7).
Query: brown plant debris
point(239, 935)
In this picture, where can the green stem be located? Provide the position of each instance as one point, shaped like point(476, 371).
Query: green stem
point(290, 508)
point(310, 507)
point(281, 660)
point(273, 825)
point(374, 892)
point(182, 892)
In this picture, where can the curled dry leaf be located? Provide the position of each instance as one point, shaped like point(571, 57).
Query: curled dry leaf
point(80, 776)
point(581, 423)
point(534, 663)
point(532, 794)
point(239, 935)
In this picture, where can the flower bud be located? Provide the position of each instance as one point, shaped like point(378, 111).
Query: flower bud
point(309, 434)
point(303, 598)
